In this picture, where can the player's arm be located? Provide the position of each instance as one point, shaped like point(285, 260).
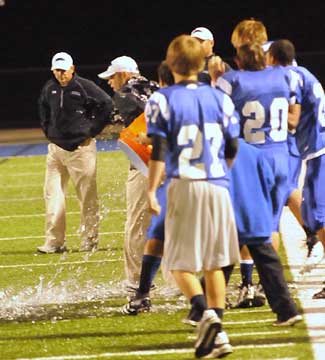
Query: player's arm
point(296, 84)
point(293, 116)
point(231, 148)
point(156, 171)
point(216, 68)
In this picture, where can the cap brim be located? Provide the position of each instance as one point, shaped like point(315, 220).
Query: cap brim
point(61, 66)
point(266, 46)
point(106, 74)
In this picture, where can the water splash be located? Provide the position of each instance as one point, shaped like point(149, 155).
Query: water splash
point(69, 299)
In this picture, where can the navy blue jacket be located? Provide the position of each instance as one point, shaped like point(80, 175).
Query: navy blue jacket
point(71, 114)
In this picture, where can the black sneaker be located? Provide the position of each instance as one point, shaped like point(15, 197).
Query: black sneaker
point(320, 294)
point(137, 305)
point(193, 317)
point(311, 242)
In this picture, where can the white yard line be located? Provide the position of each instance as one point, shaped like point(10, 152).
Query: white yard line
point(5, 217)
point(8, 186)
point(67, 235)
point(256, 333)
point(307, 285)
point(154, 352)
point(38, 198)
point(250, 310)
point(248, 322)
point(59, 263)
point(34, 173)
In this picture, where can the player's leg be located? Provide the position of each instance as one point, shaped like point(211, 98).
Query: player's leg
point(321, 294)
point(295, 170)
point(56, 181)
point(153, 251)
point(313, 209)
point(140, 301)
point(205, 237)
point(210, 324)
point(223, 253)
point(246, 288)
point(137, 222)
point(314, 193)
point(272, 278)
point(82, 167)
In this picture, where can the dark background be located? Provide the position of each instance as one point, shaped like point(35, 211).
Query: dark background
point(95, 32)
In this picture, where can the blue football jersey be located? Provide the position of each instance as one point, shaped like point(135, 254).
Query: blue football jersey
point(251, 184)
point(262, 100)
point(310, 132)
point(195, 119)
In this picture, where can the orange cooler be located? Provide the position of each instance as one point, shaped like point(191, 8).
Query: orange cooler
point(137, 153)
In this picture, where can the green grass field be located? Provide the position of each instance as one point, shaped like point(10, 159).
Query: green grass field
point(68, 306)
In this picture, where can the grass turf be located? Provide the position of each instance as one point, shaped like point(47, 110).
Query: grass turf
point(68, 305)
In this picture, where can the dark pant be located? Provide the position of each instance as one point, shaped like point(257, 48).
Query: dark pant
point(270, 271)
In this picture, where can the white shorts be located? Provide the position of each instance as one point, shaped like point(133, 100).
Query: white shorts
point(200, 228)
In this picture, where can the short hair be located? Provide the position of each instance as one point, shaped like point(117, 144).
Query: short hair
point(249, 31)
point(164, 73)
point(283, 51)
point(185, 55)
point(251, 57)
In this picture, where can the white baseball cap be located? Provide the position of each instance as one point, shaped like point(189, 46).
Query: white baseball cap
point(202, 33)
point(266, 46)
point(62, 61)
point(120, 64)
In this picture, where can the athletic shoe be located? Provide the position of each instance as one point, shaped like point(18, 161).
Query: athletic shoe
point(246, 297)
point(51, 250)
point(222, 347)
point(208, 328)
point(289, 322)
point(193, 318)
point(320, 294)
point(314, 257)
point(137, 305)
point(259, 296)
point(133, 287)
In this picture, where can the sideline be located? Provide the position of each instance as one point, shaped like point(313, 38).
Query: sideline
point(307, 284)
point(9, 150)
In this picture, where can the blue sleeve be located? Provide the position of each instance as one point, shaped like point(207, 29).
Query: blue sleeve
point(157, 115)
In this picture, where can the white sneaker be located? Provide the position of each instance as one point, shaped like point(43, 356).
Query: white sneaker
point(221, 348)
point(51, 250)
point(289, 322)
point(208, 328)
point(315, 256)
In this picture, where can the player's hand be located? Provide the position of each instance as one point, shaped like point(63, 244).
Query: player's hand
point(143, 139)
point(153, 205)
point(216, 68)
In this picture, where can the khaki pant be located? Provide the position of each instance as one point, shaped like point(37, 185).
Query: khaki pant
point(80, 165)
point(137, 222)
